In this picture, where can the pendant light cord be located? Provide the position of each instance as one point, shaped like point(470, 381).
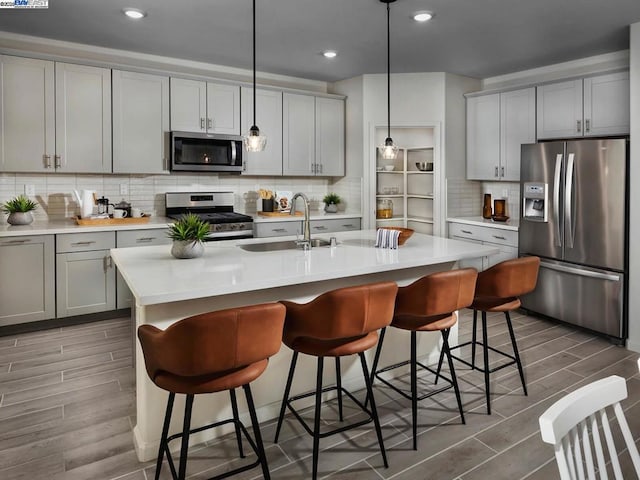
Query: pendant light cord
point(254, 63)
point(388, 75)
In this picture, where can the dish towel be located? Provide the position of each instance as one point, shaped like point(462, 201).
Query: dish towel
point(386, 238)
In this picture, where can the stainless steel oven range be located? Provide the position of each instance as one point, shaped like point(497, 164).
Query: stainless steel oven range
point(213, 207)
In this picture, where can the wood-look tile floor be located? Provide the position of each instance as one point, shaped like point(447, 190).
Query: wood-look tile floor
point(67, 408)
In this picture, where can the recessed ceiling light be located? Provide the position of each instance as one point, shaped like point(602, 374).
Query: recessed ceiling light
point(134, 13)
point(422, 16)
point(330, 53)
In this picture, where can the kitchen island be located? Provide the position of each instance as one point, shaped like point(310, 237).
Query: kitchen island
point(167, 289)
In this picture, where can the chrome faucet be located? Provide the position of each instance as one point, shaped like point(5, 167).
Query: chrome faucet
point(306, 228)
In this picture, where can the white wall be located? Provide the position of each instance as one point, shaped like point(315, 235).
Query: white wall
point(634, 214)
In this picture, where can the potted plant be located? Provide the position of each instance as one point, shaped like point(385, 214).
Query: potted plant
point(187, 234)
point(19, 209)
point(331, 201)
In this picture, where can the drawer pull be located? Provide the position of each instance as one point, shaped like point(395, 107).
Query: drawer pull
point(15, 242)
point(145, 239)
point(320, 227)
point(79, 244)
point(467, 232)
point(348, 225)
point(279, 230)
point(499, 237)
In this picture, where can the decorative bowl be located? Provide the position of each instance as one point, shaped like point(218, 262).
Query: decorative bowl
point(388, 168)
point(405, 233)
point(424, 166)
point(499, 218)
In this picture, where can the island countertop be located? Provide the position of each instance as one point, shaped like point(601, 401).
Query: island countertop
point(155, 277)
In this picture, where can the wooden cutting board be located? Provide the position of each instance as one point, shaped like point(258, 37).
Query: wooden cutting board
point(278, 214)
point(92, 222)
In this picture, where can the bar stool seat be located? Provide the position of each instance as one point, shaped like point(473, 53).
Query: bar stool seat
point(428, 305)
point(336, 324)
point(498, 289)
point(209, 353)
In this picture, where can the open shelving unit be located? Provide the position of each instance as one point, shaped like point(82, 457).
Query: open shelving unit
point(411, 190)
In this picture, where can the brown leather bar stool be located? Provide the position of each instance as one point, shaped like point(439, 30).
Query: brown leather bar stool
point(498, 290)
point(336, 324)
point(429, 305)
point(209, 353)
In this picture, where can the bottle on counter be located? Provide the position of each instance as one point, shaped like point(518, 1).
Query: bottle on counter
point(486, 209)
point(384, 208)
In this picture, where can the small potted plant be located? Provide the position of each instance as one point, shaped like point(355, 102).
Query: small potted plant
point(19, 209)
point(187, 234)
point(331, 201)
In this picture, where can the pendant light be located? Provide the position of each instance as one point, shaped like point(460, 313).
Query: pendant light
point(254, 141)
point(389, 151)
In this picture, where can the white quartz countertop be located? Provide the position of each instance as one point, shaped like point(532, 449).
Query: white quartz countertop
point(299, 218)
point(155, 277)
point(70, 226)
point(510, 224)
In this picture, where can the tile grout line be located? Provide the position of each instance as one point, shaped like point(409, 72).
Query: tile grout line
point(486, 445)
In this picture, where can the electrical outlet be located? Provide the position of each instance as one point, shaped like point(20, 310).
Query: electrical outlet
point(505, 193)
point(29, 190)
point(124, 189)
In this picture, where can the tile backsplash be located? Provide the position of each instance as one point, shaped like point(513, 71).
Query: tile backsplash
point(465, 197)
point(54, 192)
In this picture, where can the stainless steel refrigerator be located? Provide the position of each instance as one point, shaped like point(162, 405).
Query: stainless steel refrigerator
point(574, 217)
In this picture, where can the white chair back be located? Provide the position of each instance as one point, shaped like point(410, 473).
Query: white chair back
point(574, 426)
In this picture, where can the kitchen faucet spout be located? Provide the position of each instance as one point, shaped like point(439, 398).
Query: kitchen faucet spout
point(306, 228)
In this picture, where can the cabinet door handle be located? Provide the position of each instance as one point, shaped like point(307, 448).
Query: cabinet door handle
point(108, 263)
point(502, 171)
point(496, 173)
point(578, 126)
point(145, 239)
point(467, 232)
point(313, 168)
point(279, 230)
point(587, 125)
point(16, 242)
point(320, 227)
point(89, 242)
point(209, 123)
point(201, 123)
point(499, 237)
point(58, 161)
point(320, 166)
point(47, 160)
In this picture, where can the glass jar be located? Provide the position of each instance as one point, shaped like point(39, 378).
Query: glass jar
point(384, 208)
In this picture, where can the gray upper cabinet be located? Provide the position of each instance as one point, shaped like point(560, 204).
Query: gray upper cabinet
point(313, 135)
point(27, 97)
point(207, 107)
point(27, 276)
point(269, 120)
point(593, 106)
point(497, 125)
point(140, 123)
point(83, 119)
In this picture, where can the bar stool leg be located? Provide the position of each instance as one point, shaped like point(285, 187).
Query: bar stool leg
point(414, 389)
point(256, 432)
point(316, 423)
point(376, 357)
point(186, 427)
point(440, 360)
point(515, 352)
point(485, 351)
point(374, 411)
point(165, 433)
point(236, 420)
point(285, 397)
point(454, 380)
point(474, 339)
point(339, 385)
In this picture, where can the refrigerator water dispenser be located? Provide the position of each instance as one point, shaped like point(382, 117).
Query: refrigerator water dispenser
point(535, 202)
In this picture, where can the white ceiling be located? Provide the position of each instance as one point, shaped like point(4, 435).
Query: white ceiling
point(477, 38)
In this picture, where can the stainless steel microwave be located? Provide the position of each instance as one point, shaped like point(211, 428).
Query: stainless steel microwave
point(203, 152)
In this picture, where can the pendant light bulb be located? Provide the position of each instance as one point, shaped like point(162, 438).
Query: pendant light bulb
point(388, 151)
point(254, 141)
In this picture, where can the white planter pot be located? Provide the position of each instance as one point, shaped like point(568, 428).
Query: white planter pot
point(331, 208)
point(20, 218)
point(187, 249)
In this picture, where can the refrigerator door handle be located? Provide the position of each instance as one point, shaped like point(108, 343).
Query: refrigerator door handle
point(580, 271)
point(556, 198)
point(568, 202)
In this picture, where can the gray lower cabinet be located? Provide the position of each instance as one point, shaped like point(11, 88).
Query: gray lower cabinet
point(85, 274)
point(27, 273)
point(505, 240)
point(293, 227)
point(135, 238)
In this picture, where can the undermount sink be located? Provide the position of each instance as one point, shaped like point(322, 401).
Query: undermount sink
point(283, 245)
